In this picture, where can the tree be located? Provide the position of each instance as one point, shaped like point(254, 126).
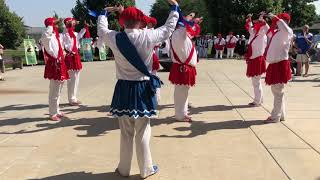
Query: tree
point(12, 29)
point(229, 15)
point(302, 11)
point(161, 10)
point(80, 12)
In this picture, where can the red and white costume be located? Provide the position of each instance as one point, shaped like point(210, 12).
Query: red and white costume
point(183, 72)
point(219, 44)
point(55, 68)
point(277, 55)
point(256, 64)
point(71, 41)
point(231, 41)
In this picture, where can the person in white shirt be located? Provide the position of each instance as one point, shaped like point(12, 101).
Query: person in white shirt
point(134, 100)
point(55, 68)
point(231, 41)
point(256, 64)
point(183, 71)
point(71, 41)
point(278, 71)
point(219, 44)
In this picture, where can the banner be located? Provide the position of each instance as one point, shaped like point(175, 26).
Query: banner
point(30, 53)
point(86, 49)
point(103, 52)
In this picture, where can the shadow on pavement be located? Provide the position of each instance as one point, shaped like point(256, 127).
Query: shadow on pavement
point(88, 176)
point(199, 128)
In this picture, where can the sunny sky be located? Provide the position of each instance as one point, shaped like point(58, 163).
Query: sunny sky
point(35, 11)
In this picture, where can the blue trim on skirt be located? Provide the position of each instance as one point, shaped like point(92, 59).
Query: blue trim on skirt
point(131, 98)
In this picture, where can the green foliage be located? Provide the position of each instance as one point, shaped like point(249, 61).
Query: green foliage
point(229, 15)
point(80, 12)
point(12, 31)
point(161, 10)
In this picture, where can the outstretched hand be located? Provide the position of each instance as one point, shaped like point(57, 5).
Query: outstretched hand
point(173, 2)
point(271, 15)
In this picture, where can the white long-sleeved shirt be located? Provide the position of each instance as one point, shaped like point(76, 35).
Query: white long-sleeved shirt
point(233, 40)
point(280, 43)
point(50, 42)
point(260, 43)
point(222, 42)
point(144, 41)
point(182, 45)
point(68, 41)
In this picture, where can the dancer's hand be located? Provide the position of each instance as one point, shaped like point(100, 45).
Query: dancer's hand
point(120, 8)
point(173, 2)
point(271, 15)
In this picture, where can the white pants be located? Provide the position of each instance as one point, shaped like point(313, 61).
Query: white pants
point(219, 54)
point(278, 110)
point(257, 88)
point(73, 84)
point(141, 129)
point(181, 101)
point(55, 89)
point(230, 52)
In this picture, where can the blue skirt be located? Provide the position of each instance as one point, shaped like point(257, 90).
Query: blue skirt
point(133, 99)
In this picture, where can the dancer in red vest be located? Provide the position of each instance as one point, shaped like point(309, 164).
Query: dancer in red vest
point(183, 71)
point(278, 71)
point(73, 59)
point(219, 44)
point(256, 64)
point(55, 69)
point(231, 44)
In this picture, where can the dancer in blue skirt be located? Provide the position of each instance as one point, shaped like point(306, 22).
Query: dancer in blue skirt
point(134, 99)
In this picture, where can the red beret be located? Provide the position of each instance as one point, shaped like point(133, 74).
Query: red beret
point(66, 20)
point(131, 13)
point(49, 21)
point(285, 16)
point(153, 21)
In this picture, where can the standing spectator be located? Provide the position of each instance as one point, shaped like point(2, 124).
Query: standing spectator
point(304, 41)
point(231, 41)
point(293, 56)
point(1, 62)
point(205, 46)
point(219, 44)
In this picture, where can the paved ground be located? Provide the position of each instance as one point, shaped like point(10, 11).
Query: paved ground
point(227, 141)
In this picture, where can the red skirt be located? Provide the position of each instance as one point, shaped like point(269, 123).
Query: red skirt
point(155, 63)
point(231, 45)
point(256, 67)
point(56, 71)
point(278, 73)
point(73, 62)
point(183, 74)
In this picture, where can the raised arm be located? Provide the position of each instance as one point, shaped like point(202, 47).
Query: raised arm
point(103, 29)
point(164, 32)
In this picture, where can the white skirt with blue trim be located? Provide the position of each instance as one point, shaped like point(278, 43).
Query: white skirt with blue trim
point(133, 99)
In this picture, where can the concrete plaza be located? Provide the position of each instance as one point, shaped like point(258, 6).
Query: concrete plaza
point(226, 141)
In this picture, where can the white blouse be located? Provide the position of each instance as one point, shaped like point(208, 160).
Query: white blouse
point(182, 45)
point(260, 43)
point(144, 40)
point(50, 42)
point(280, 43)
point(68, 41)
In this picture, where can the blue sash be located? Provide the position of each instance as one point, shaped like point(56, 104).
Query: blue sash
point(129, 51)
